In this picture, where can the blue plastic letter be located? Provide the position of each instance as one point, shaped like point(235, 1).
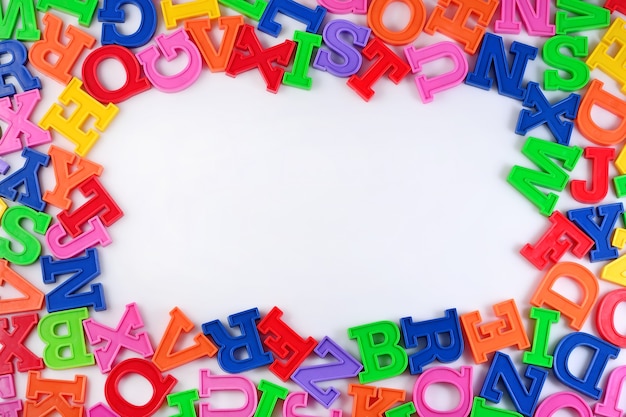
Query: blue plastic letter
point(15, 66)
point(509, 79)
point(432, 331)
point(525, 399)
point(547, 114)
point(602, 352)
point(65, 297)
point(312, 18)
point(28, 177)
point(112, 12)
point(249, 341)
point(600, 232)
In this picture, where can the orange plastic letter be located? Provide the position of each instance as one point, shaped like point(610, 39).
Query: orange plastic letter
point(66, 53)
point(198, 30)
point(507, 331)
point(457, 28)
point(47, 395)
point(417, 18)
point(576, 312)
point(62, 162)
point(588, 128)
point(32, 298)
point(373, 402)
point(164, 357)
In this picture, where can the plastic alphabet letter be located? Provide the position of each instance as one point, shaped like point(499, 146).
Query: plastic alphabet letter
point(161, 387)
point(590, 16)
point(45, 396)
point(481, 409)
point(11, 221)
point(502, 372)
point(31, 299)
point(536, 21)
point(594, 191)
point(135, 83)
point(345, 6)
point(371, 401)
point(350, 58)
point(546, 114)
point(212, 383)
point(563, 400)
point(174, 13)
point(67, 179)
point(83, 270)
point(387, 62)
point(15, 56)
point(311, 18)
point(298, 76)
point(300, 400)
point(381, 354)
point(184, 401)
point(13, 344)
point(561, 236)
point(20, 128)
point(165, 358)
point(507, 330)
point(544, 319)
point(170, 46)
point(27, 179)
point(270, 393)
point(66, 350)
point(609, 407)
point(433, 332)
point(578, 71)
point(596, 96)
point(550, 175)
point(252, 10)
point(578, 274)
point(96, 235)
point(198, 30)
point(284, 343)
point(101, 410)
point(613, 62)
point(27, 30)
point(113, 12)
point(492, 55)
point(403, 36)
point(249, 54)
point(345, 366)
point(83, 9)
point(599, 223)
point(461, 380)
point(602, 352)
point(123, 336)
point(86, 107)
point(468, 24)
point(248, 341)
point(605, 317)
point(54, 57)
point(427, 87)
point(101, 204)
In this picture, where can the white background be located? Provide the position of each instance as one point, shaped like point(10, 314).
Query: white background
point(338, 211)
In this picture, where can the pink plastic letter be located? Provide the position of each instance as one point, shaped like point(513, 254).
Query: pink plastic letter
point(536, 22)
point(97, 235)
point(462, 381)
point(210, 383)
point(171, 45)
point(19, 125)
point(428, 86)
point(561, 400)
point(121, 336)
